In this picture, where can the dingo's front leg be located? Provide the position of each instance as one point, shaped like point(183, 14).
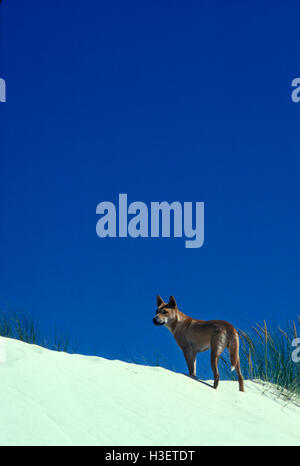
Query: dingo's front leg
point(190, 357)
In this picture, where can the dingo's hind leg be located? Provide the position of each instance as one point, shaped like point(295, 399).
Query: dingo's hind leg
point(218, 344)
point(214, 359)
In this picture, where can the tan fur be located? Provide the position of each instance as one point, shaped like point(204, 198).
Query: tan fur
point(194, 336)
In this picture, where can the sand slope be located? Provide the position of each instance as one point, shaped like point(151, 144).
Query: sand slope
point(51, 398)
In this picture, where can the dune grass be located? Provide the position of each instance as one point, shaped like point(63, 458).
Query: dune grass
point(21, 326)
point(266, 356)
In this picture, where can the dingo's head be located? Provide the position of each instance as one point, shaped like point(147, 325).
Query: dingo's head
point(166, 312)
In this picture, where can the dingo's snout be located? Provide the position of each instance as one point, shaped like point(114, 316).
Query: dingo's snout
point(157, 321)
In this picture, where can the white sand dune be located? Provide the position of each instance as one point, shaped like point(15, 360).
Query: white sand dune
point(51, 398)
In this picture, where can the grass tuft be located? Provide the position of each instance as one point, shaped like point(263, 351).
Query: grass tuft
point(266, 356)
point(21, 326)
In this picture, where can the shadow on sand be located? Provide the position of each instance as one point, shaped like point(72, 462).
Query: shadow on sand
point(198, 380)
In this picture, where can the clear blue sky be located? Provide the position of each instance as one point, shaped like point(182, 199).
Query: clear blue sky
point(163, 101)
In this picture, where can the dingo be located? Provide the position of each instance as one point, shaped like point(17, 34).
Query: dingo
point(194, 336)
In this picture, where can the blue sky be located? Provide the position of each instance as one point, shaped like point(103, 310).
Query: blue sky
point(163, 101)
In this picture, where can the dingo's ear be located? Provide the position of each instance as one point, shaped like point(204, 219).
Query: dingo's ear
point(159, 300)
point(172, 302)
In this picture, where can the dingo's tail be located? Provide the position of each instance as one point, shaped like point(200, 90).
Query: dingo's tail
point(235, 358)
point(234, 350)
